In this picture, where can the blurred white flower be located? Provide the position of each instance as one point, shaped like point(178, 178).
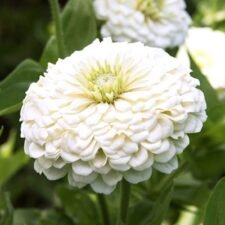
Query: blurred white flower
point(111, 111)
point(207, 47)
point(157, 23)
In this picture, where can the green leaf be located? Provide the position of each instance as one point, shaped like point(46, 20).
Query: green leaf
point(214, 110)
point(209, 164)
point(139, 211)
point(14, 86)
point(40, 217)
point(55, 217)
point(161, 206)
point(215, 208)
point(190, 191)
point(79, 27)
point(10, 165)
point(7, 218)
point(78, 205)
point(27, 217)
point(50, 53)
point(149, 212)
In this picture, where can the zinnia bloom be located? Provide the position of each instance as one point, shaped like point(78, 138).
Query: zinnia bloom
point(207, 47)
point(111, 111)
point(157, 23)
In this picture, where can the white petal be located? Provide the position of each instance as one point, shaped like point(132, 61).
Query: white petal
point(90, 151)
point(54, 174)
point(138, 137)
point(84, 179)
point(112, 178)
point(74, 183)
point(44, 163)
point(135, 177)
point(155, 134)
point(138, 158)
point(167, 167)
point(166, 156)
point(82, 168)
point(100, 160)
point(181, 144)
point(101, 187)
point(130, 147)
point(36, 151)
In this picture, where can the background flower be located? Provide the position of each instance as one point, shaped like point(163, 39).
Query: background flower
point(207, 47)
point(159, 23)
point(110, 111)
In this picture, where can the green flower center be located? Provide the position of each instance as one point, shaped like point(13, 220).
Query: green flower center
point(105, 80)
point(105, 84)
point(150, 8)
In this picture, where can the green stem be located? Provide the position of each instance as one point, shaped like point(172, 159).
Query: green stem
point(104, 209)
point(58, 27)
point(124, 201)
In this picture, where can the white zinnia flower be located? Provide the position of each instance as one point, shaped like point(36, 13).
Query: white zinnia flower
point(159, 23)
point(207, 47)
point(111, 111)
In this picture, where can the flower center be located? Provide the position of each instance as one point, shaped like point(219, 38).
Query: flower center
point(105, 80)
point(105, 86)
point(150, 8)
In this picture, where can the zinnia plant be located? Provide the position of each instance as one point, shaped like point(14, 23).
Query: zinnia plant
point(102, 129)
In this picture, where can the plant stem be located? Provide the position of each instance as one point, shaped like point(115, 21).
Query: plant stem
point(58, 27)
point(124, 201)
point(104, 209)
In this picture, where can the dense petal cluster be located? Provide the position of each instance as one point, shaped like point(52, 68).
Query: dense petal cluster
point(111, 111)
point(157, 23)
point(207, 47)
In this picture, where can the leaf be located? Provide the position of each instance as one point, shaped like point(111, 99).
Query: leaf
point(78, 205)
point(40, 217)
point(79, 23)
point(50, 53)
point(139, 211)
point(210, 164)
point(190, 191)
point(214, 110)
point(9, 166)
point(215, 208)
point(55, 217)
point(13, 87)
point(79, 27)
point(149, 212)
point(7, 218)
point(27, 217)
point(161, 206)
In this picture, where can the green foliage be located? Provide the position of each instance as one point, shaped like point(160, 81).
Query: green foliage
point(13, 88)
point(211, 13)
point(40, 217)
point(78, 205)
point(153, 208)
point(10, 165)
point(7, 218)
point(161, 206)
point(215, 208)
point(79, 27)
point(151, 202)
